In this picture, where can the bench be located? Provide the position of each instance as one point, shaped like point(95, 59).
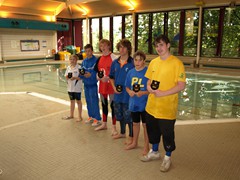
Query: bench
point(219, 62)
point(187, 61)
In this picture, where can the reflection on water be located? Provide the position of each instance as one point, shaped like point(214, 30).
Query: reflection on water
point(208, 96)
point(205, 96)
point(45, 79)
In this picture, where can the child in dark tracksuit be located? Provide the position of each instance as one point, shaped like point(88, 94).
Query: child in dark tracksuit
point(118, 73)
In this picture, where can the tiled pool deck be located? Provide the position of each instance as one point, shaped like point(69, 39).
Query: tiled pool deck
point(35, 143)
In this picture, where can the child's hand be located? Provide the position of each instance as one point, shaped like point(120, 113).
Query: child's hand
point(131, 93)
point(115, 90)
point(105, 79)
point(150, 89)
point(87, 74)
point(74, 78)
point(98, 78)
point(139, 93)
point(159, 93)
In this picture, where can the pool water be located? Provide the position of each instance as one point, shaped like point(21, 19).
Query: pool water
point(210, 96)
point(206, 96)
point(44, 79)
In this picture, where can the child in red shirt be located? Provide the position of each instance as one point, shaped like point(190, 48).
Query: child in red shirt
point(103, 66)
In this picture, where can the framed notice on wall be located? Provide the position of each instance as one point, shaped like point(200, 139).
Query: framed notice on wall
point(29, 45)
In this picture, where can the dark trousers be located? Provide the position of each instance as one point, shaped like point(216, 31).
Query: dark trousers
point(161, 127)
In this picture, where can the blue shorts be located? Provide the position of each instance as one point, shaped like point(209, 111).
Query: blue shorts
point(74, 95)
point(122, 113)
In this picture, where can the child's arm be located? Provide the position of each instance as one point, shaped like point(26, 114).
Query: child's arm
point(179, 87)
point(150, 90)
point(130, 92)
point(103, 79)
point(74, 78)
point(141, 93)
point(77, 78)
point(112, 81)
point(87, 75)
point(112, 77)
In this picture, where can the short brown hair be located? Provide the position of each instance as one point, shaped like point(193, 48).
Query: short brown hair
point(125, 43)
point(141, 54)
point(163, 38)
point(88, 46)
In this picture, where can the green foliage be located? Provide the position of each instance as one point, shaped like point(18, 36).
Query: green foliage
point(231, 34)
point(143, 32)
point(191, 33)
point(210, 34)
point(158, 27)
point(174, 30)
point(128, 27)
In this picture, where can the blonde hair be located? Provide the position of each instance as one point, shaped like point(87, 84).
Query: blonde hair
point(105, 41)
point(74, 56)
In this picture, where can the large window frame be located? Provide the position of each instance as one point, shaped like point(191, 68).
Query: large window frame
point(221, 49)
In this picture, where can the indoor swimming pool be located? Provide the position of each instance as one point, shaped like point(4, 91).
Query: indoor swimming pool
point(207, 96)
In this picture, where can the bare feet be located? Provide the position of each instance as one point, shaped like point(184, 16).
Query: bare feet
point(131, 146)
point(67, 117)
point(79, 119)
point(114, 132)
point(129, 141)
point(118, 136)
point(102, 127)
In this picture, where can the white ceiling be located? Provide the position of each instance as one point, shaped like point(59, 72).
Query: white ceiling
point(35, 9)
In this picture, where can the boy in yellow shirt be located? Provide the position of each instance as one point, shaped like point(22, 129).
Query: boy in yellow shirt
point(166, 77)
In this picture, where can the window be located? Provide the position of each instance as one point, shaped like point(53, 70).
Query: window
point(210, 32)
point(191, 33)
point(143, 32)
point(128, 27)
point(231, 33)
point(84, 32)
point(158, 27)
point(117, 31)
point(95, 34)
point(105, 28)
point(220, 37)
point(174, 31)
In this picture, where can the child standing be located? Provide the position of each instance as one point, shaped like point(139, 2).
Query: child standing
point(105, 89)
point(90, 86)
point(118, 73)
point(74, 87)
point(166, 78)
point(136, 86)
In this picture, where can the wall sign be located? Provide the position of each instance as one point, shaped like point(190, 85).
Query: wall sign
point(29, 45)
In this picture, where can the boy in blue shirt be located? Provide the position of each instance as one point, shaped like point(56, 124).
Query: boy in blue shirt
point(118, 73)
point(136, 87)
point(90, 87)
